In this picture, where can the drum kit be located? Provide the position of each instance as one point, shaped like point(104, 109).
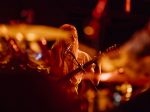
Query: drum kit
point(27, 40)
point(33, 32)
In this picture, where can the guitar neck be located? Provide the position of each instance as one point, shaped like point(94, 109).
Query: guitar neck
point(79, 69)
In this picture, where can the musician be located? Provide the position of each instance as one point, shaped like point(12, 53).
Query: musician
point(66, 57)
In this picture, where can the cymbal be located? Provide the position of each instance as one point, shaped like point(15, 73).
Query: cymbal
point(33, 32)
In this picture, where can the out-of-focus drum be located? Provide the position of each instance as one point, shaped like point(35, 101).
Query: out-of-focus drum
point(33, 32)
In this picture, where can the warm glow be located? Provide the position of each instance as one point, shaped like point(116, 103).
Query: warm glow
point(105, 76)
point(120, 70)
point(127, 90)
point(35, 47)
point(44, 42)
point(19, 36)
point(14, 45)
point(33, 32)
point(113, 61)
point(3, 29)
point(31, 37)
point(1, 47)
point(107, 64)
point(88, 30)
point(128, 6)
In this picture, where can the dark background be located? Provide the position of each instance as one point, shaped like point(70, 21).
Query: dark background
point(116, 26)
